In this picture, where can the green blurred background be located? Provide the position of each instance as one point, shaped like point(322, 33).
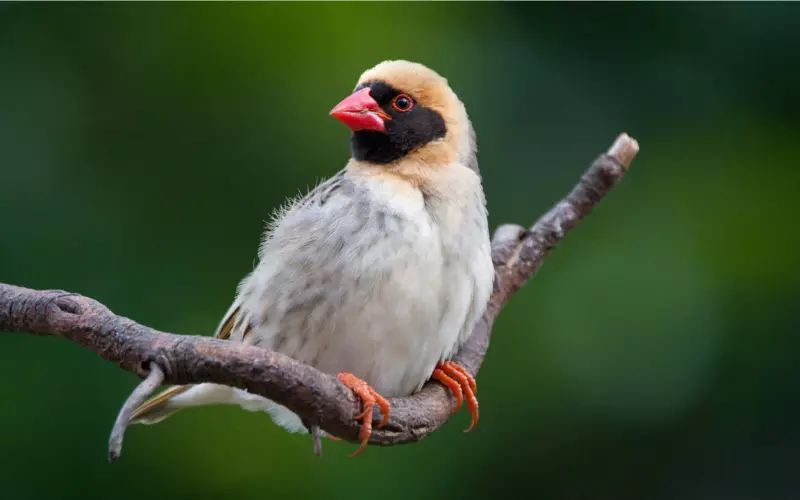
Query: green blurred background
point(142, 146)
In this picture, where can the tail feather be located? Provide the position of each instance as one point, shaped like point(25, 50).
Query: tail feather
point(175, 398)
point(158, 407)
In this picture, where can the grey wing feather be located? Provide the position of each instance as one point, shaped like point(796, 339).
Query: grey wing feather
point(317, 196)
point(323, 191)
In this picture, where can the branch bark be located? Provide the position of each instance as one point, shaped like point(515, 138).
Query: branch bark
point(318, 398)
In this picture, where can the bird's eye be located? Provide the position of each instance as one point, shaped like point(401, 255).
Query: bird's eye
point(402, 103)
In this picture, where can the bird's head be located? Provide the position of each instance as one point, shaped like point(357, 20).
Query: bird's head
point(403, 110)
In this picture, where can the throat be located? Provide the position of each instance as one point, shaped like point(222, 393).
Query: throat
point(375, 147)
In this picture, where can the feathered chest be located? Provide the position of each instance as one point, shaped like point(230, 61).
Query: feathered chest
point(354, 279)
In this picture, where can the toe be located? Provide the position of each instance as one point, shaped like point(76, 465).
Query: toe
point(369, 398)
point(452, 385)
point(467, 385)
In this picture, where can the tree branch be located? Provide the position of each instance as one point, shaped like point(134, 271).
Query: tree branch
point(318, 398)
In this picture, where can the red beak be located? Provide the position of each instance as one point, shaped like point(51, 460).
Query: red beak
point(359, 111)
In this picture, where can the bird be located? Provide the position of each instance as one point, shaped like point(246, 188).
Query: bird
point(379, 274)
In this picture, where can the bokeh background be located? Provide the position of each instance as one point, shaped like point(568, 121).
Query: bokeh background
point(655, 356)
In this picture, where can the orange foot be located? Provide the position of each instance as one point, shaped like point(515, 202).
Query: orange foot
point(369, 398)
point(461, 383)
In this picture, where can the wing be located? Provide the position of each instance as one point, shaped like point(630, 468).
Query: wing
point(226, 327)
point(322, 193)
point(236, 320)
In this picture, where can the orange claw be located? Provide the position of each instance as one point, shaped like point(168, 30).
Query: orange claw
point(455, 387)
point(369, 399)
point(463, 386)
point(464, 371)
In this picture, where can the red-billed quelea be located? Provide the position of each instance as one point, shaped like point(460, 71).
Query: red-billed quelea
point(380, 273)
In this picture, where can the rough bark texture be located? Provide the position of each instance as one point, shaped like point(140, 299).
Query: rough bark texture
point(318, 398)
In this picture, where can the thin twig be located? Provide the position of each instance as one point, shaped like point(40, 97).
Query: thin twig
point(137, 397)
point(316, 437)
point(313, 395)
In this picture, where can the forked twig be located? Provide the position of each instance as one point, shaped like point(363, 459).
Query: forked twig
point(137, 397)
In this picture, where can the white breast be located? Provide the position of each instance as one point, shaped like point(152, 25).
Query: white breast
point(380, 281)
